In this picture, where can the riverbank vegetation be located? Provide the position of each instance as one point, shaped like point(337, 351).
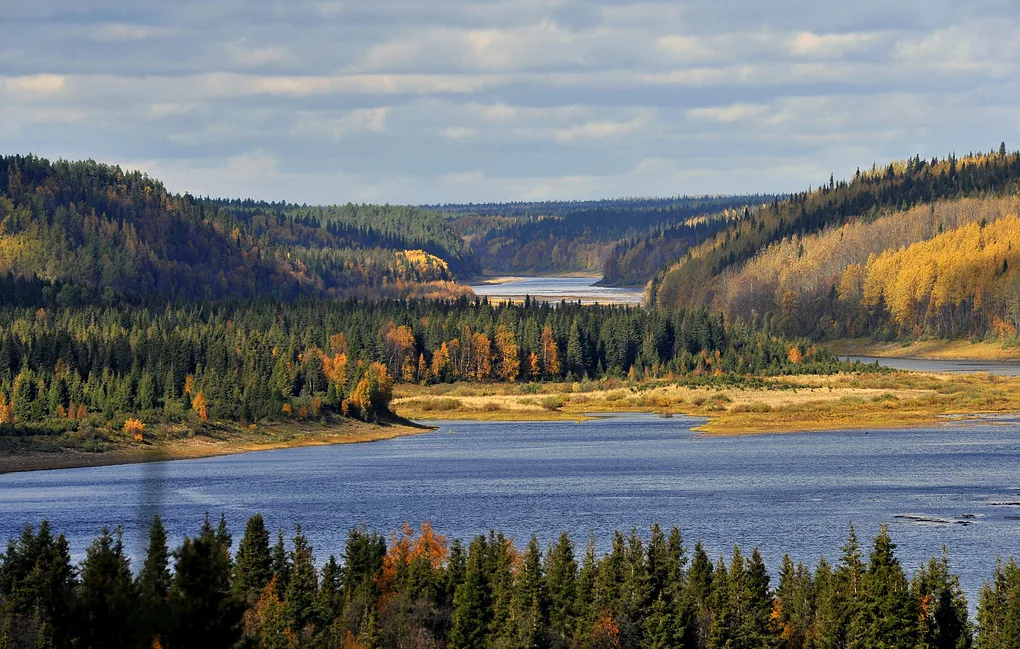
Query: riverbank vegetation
point(732, 405)
point(418, 589)
point(76, 370)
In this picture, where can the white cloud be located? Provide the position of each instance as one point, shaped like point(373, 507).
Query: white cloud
point(122, 32)
point(370, 120)
point(726, 114)
point(599, 130)
point(809, 44)
point(33, 86)
point(460, 132)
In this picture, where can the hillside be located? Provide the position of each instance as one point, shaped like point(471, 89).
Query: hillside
point(95, 225)
point(805, 266)
point(555, 237)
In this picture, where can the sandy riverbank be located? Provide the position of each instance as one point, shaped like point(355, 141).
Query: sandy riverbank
point(170, 443)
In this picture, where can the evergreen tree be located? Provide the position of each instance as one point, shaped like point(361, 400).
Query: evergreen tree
point(472, 602)
point(302, 586)
point(561, 580)
point(888, 615)
point(107, 597)
point(203, 609)
point(254, 565)
point(153, 587)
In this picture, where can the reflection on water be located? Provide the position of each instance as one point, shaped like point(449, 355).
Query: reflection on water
point(955, 484)
point(555, 289)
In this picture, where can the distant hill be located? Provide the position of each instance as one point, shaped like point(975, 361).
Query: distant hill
point(98, 226)
point(916, 248)
point(549, 237)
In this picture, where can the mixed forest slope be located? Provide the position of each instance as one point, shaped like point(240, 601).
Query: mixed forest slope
point(97, 226)
point(552, 237)
point(919, 248)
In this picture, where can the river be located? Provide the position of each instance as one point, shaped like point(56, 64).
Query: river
point(555, 289)
point(1001, 368)
point(955, 484)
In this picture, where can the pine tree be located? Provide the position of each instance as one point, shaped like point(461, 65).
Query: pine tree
point(203, 609)
point(302, 586)
point(107, 598)
point(943, 606)
point(888, 615)
point(561, 580)
point(472, 602)
point(254, 566)
point(153, 586)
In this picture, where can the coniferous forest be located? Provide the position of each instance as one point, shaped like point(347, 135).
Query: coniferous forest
point(419, 589)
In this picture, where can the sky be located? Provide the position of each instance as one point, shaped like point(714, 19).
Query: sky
point(441, 101)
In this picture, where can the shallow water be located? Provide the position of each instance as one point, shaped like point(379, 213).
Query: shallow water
point(956, 485)
point(554, 289)
point(1001, 368)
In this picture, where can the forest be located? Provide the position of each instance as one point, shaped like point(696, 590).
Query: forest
point(102, 227)
point(70, 363)
point(418, 589)
point(913, 201)
point(583, 235)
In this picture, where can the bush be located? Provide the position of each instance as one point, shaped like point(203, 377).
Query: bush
point(553, 403)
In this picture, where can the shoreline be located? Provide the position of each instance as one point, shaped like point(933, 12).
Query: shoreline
point(932, 350)
point(223, 439)
point(797, 404)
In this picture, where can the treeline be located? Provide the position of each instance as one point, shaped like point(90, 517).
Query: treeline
point(391, 227)
point(419, 590)
point(63, 367)
point(525, 239)
point(698, 278)
point(101, 227)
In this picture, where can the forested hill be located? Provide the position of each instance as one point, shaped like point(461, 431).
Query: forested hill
point(581, 235)
point(99, 226)
point(746, 268)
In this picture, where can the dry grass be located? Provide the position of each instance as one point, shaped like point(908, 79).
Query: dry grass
point(786, 404)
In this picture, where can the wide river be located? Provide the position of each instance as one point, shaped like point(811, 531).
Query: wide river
point(554, 289)
point(956, 485)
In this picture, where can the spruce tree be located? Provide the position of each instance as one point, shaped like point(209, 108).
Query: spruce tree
point(203, 609)
point(561, 581)
point(888, 615)
point(107, 598)
point(302, 585)
point(153, 587)
point(472, 603)
point(254, 564)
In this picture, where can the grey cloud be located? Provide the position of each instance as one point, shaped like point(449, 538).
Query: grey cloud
point(404, 101)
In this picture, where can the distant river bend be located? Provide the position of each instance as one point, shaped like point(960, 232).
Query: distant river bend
point(555, 289)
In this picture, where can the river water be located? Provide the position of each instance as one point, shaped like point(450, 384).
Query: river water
point(955, 485)
point(1000, 368)
point(555, 289)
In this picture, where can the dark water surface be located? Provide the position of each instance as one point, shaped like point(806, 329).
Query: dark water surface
point(554, 289)
point(957, 485)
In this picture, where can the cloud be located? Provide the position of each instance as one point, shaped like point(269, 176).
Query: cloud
point(809, 44)
point(122, 32)
point(599, 130)
point(403, 101)
point(460, 132)
point(726, 114)
point(33, 86)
